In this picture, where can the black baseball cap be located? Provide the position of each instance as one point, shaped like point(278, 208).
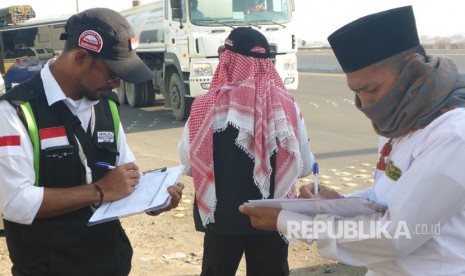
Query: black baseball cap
point(374, 37)
point(107, 34)
point(243, 39)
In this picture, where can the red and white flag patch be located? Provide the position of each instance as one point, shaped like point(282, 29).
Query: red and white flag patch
point(52, 137)
point(10, 141)
point(10, 145)
point(134, 42)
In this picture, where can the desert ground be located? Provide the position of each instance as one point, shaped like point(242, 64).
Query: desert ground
point(340, 137)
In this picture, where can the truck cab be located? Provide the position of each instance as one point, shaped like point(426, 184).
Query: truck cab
point(179, 41)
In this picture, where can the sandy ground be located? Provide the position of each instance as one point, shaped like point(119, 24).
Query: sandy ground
point(169, 245)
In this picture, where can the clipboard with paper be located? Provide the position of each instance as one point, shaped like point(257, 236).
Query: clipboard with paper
point(343, 207)
point(149, 195)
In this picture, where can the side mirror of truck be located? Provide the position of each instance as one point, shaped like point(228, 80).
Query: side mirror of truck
point(176, 4)
point(177, 13)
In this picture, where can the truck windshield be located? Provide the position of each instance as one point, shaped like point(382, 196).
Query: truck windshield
point(239, 12)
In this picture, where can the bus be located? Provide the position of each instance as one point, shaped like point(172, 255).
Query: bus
point(34, 39)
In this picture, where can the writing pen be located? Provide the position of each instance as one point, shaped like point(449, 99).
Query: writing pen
point(157, 170)
point(104, 165)
point(315, 173)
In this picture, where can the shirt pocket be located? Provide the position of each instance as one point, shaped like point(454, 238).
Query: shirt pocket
point(61, 167)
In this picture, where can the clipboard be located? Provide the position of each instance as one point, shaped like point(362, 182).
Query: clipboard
point(150, 194)
point(343, 207)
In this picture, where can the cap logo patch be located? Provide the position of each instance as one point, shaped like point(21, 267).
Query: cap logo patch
point(229, 42)
point(91, 40)
point(134, 42)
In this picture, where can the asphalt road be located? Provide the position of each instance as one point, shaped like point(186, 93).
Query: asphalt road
point(341, 137)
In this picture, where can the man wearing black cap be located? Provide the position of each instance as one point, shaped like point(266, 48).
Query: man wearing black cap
point(415, 103)
point(245, 139)
point(54, 129)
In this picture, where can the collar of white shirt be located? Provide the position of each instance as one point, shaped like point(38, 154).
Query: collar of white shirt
point(54, 93)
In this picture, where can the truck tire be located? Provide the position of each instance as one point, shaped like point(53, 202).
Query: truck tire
point(166, 96)
point(134, 94)
point(149, 93)
point(179, 103)
point(121, 91)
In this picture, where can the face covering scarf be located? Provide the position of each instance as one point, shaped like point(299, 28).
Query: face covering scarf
point(423, 92)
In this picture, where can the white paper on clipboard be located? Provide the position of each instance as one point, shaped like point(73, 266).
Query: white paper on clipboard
point(150, 194)
point(343, 207)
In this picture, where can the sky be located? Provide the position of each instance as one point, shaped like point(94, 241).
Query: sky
point(314, 20)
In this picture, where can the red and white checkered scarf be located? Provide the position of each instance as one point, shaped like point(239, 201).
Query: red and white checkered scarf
point(248, 94)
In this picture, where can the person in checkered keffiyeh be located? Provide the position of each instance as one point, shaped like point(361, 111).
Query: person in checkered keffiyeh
point(245, 139)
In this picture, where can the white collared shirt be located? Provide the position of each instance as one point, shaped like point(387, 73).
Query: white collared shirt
point(20, 200)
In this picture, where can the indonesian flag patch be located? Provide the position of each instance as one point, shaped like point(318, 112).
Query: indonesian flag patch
point(10, 145)
point(134, 42)
point(52, 137)
point(10, 141)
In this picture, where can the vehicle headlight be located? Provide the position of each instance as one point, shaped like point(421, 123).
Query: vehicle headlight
point(290, 64)
point(202, 69)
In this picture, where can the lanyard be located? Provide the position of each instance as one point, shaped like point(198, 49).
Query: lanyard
point(83, 158)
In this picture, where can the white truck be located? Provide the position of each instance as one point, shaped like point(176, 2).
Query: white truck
point(179, 39)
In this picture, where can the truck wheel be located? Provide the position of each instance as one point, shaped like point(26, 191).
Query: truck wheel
point(179, 103)
point(121, 91)
point(167, 101)
point(134, 94)
point(149, 93)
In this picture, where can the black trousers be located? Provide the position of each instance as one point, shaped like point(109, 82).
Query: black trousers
point(265, 254)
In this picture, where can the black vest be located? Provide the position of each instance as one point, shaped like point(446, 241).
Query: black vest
point(234, 185)
point(65, 245)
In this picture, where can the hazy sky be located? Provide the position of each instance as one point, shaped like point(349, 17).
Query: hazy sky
point(322, 17)
point(314, 19)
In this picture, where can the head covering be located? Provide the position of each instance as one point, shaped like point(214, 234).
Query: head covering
point(374, 37)
point(248, 94)
point(107, 34)
point(243, 40)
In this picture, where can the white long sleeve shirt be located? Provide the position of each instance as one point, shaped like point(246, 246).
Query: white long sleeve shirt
point(428, 201)
point(19, 198)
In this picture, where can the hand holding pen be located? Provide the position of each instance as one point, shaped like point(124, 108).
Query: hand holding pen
point(119, 181)
point(317, 191)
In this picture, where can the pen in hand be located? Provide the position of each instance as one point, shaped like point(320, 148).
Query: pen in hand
point(315, 173)
point(104, 165)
